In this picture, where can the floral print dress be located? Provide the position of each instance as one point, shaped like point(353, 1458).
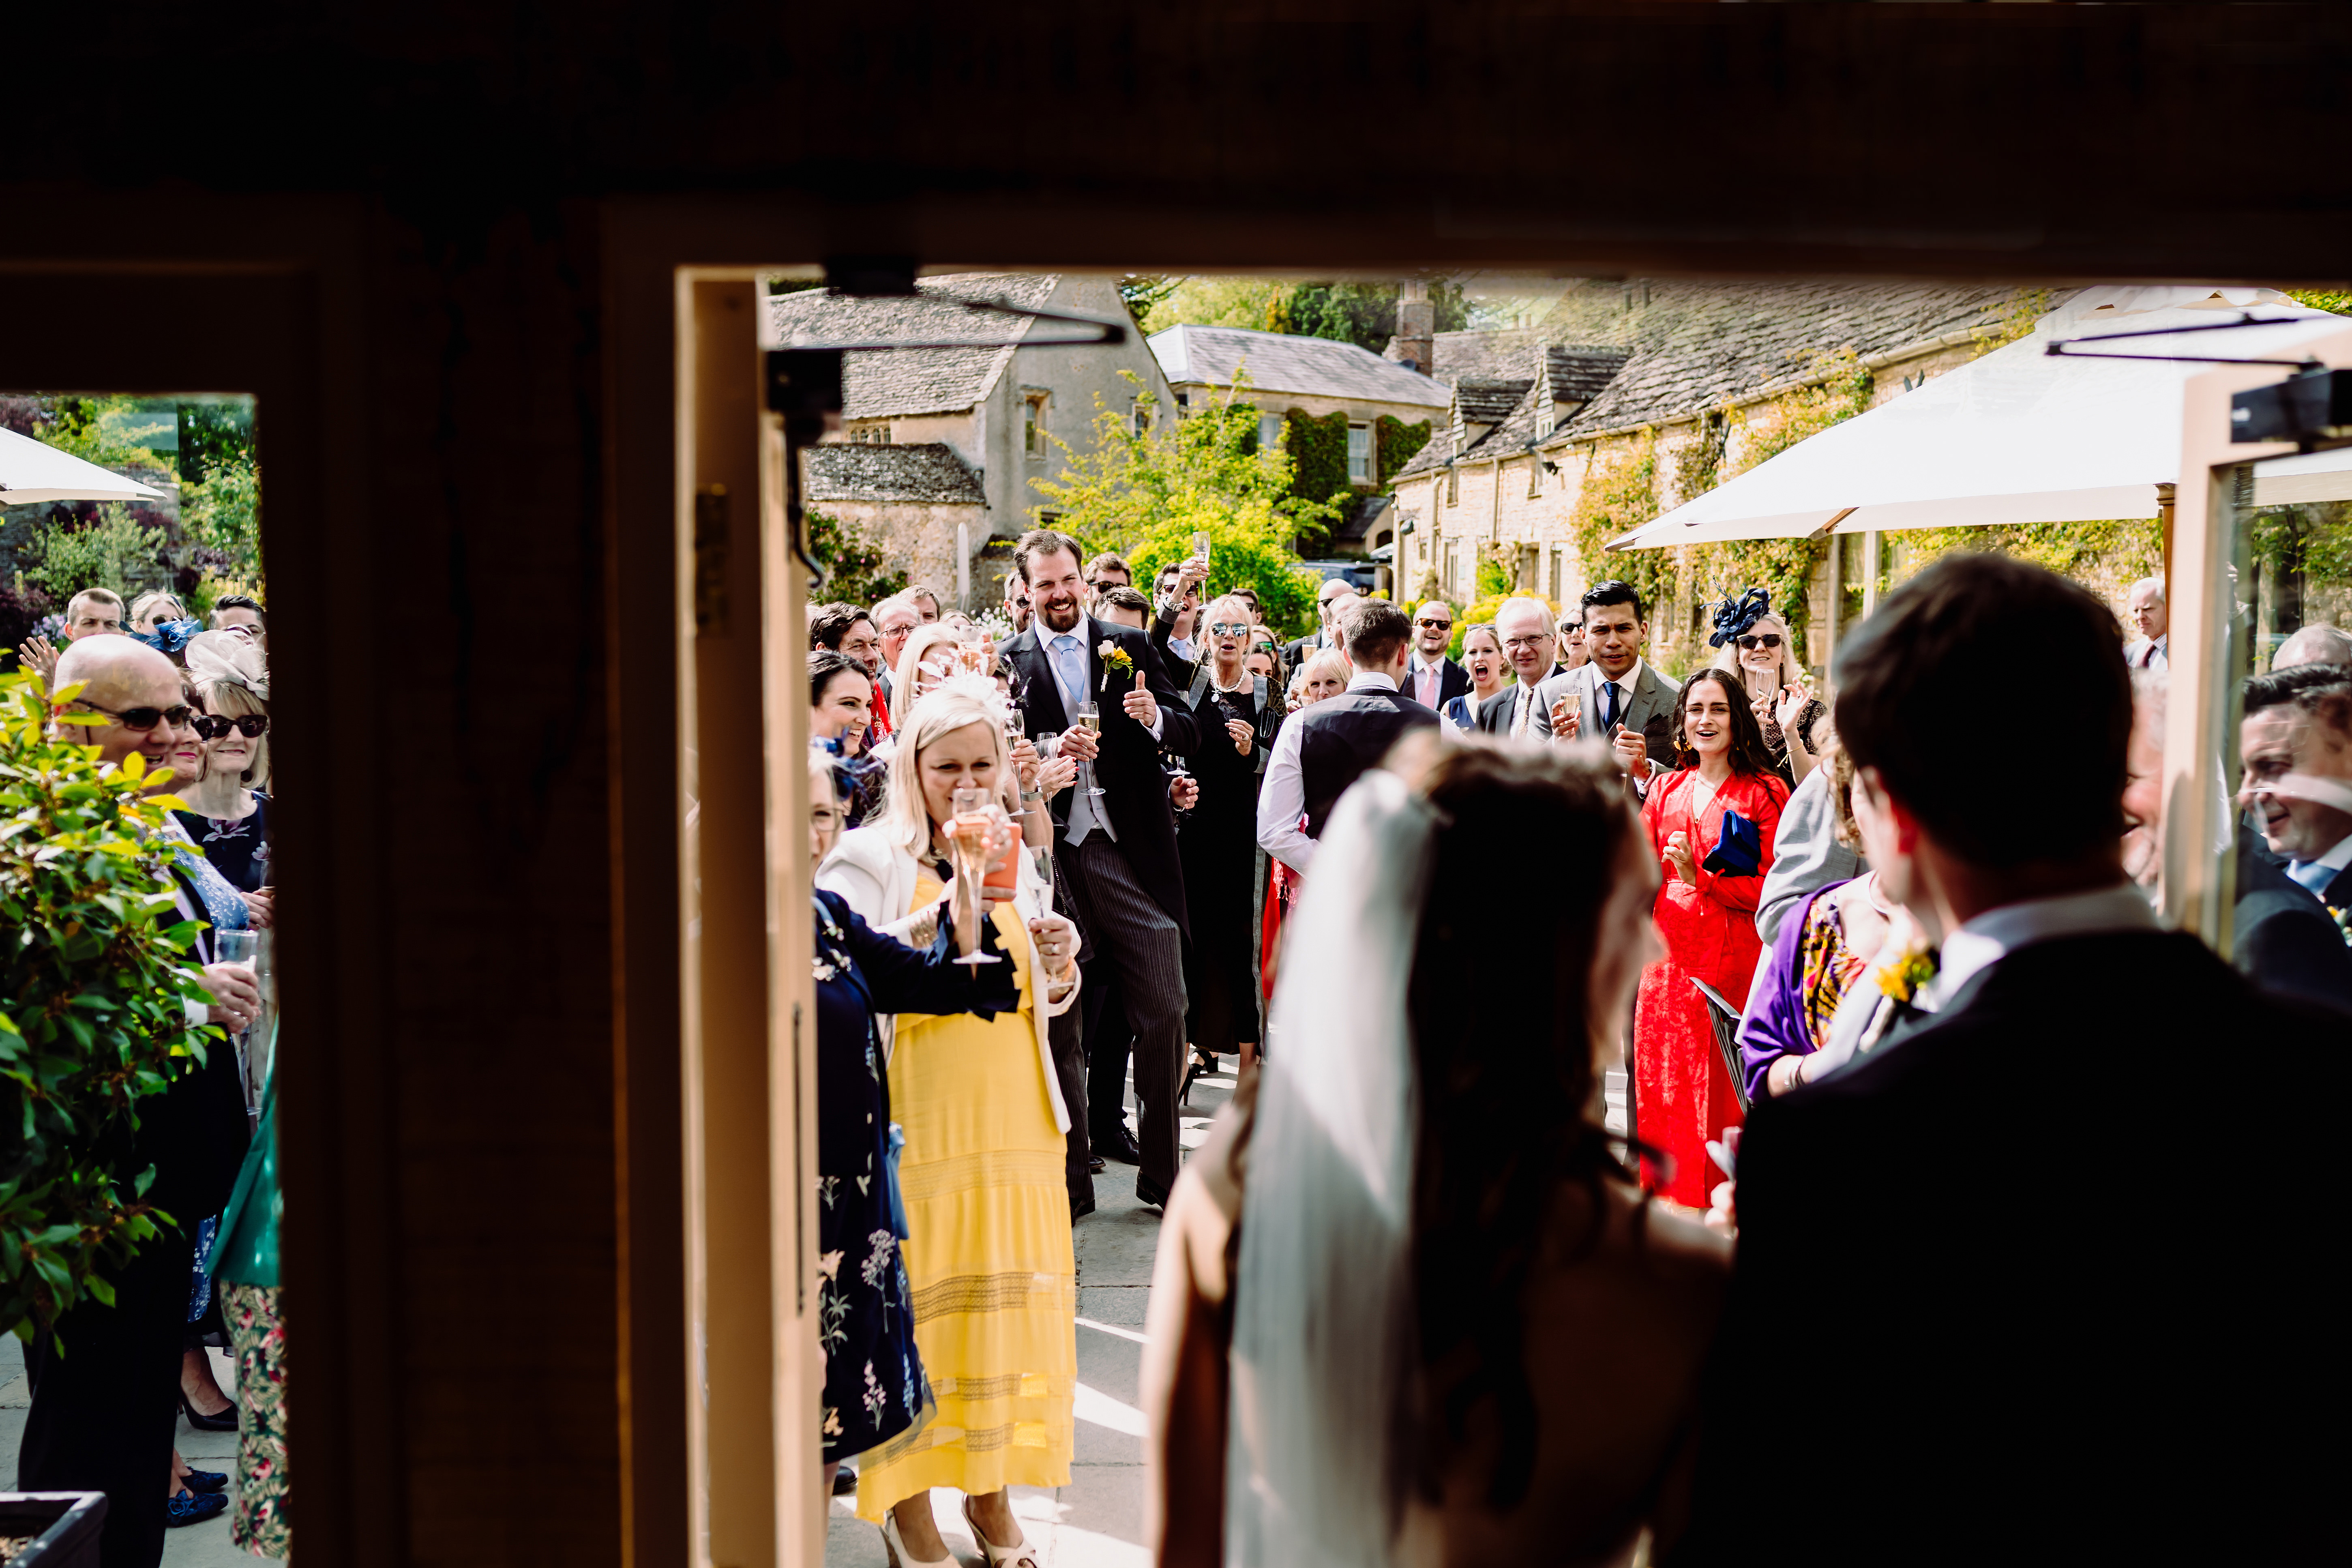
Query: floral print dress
point(874, 1388)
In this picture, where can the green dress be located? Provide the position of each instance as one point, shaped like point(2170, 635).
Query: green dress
point(245, 1260)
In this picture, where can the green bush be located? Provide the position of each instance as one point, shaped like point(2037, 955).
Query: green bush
point(1396, 443)
point(853, 563)
point(1319, 454)
point(92, 978)
point(113, 552)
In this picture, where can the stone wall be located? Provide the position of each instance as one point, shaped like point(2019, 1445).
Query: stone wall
point(919, 538)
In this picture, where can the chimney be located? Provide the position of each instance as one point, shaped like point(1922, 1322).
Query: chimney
point(1416, 325)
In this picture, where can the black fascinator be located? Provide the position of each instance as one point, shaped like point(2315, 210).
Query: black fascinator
point(1734, 616)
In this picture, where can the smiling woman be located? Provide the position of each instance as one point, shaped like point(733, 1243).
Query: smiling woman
point(1711, 823)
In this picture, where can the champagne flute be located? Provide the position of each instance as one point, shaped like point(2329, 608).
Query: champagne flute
point(1042, 855)
point(972, 817)
point(1201, 547)
point(1090, 720)
point(1568, 705)
point(241, 949)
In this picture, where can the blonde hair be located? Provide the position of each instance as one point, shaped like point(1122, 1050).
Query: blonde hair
point(921, 642)
point(1329, 657)
point(148, 601)
point(960, 701)
point(231, 699)
point(1726, 658)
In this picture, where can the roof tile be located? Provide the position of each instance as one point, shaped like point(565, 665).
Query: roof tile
point(1284, 362)
point(881, 382)
point(923, 471)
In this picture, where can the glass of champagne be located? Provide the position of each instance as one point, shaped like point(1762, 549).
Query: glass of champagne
point(1568, 706)
point(242, 949)
point(1201, 548)
point(972, 820)
point(1042, 855)
point(1090, 720)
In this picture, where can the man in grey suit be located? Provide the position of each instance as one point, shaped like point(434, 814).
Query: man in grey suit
point(1531, 645)
point(1619, 698)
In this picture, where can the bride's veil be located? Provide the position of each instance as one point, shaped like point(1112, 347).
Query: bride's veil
point(1323, 1300)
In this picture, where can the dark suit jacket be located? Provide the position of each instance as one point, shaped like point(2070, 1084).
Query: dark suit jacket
point(1299, 651)
point(1341, 738)
point(2038, 1281)
point(195, 1132)
point(1453, 680)
point(1135, 791)
point(2283, 938)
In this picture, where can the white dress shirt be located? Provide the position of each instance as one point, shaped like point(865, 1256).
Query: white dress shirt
point(1625, 686)
point(1996, 933)
point(2145, 653)
point(1282, 800)
point(2316, 874)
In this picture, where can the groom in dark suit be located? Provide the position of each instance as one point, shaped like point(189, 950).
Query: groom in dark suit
point(2036, 1279)
point(1116, 850)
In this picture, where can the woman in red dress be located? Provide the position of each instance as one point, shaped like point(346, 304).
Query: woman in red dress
point(1682, 1095)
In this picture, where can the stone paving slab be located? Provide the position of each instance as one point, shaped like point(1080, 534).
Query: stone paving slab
point(1097, 1520)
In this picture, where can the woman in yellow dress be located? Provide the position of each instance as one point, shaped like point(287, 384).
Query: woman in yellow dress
point(988, 1219)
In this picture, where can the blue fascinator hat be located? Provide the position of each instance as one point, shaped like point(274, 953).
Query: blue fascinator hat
point(1734, 616)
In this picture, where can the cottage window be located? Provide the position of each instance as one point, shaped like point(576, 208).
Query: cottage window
point(1452, 486)
point(1535, 477)
point(1138, 416)
point(876, 434)
point(1359, 454)
point(1453, 566)
point(1269, 432)
point(1032, 424)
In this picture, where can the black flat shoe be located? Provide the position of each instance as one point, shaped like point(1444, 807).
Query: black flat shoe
point(204, 1481)
point(1149, 1196)
point(193, 1508)
point(844, 1481)
point(1080, 1209)
point(223, 1422)
point(1121, 1146)
point(1097, 1164)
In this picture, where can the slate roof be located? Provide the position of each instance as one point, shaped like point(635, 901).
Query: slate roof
point(1699, 344)
point(1580, 371)
point(1281, 362)
point(925, 471)
point(1503, 353)
point(877, 383)
point(1489, 400)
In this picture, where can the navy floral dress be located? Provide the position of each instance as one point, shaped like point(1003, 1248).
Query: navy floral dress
point(874, 1383)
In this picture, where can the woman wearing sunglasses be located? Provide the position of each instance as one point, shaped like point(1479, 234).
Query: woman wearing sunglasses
point(1764, 655)
point(229, 806)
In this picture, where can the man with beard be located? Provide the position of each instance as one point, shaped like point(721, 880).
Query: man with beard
point(1116, 851)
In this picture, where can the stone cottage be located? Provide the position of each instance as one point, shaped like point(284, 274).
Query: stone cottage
point(939, 447)
point(1390, 408)
point(1653, 390)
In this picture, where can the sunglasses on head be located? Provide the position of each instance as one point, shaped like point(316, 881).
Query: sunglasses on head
point(142, 718)
point(213, 726)
point(1759, 639)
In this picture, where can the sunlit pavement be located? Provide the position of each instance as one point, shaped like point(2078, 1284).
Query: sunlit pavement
point(1095, 1521)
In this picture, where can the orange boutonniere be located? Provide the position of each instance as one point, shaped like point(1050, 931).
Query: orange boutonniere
point(1115, 657)
point(2343, 918)
point(1903, 978)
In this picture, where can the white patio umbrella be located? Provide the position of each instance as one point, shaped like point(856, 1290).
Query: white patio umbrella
point(2017, 436)
point(34, 471)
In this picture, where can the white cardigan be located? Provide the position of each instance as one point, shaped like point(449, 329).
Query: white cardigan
point(877, 879)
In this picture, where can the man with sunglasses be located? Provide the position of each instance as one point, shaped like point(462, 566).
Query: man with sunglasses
point(1431, 677)
point(103, 1415)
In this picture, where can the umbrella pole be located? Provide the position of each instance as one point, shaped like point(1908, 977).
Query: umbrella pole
point(2164, 521)
point(1869, 575)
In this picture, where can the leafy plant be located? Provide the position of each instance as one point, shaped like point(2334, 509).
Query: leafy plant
point(92, 979)
point(222, 512)
point(854, 564)
point(1397, 442)
point(113, 550)
point(1318, 456)
point(1352, 312)
point(1144, 494)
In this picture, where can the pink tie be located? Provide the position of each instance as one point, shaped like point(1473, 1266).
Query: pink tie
point(1429, 688)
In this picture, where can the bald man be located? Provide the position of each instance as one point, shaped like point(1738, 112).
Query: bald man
point(2317, 643)
point(104, 1413)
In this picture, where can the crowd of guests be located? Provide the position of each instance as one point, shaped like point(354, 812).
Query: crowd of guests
point(1744, 895)
point(110, 1380)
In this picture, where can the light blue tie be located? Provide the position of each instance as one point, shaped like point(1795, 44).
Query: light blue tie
point(1070, 675)
point(2312, 875)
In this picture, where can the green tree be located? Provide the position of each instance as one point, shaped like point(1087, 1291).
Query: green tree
point(112, 550)
point(1359, 312)
point(1146, 494)
point(222, 513)
point(93, 979)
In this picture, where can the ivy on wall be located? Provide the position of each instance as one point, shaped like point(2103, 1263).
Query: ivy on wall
point(1319, 454)
point(1620, 493)
point(1396, 443)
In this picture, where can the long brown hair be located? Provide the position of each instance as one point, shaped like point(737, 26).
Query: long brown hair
point(1502, 1042)
point(1748, 755)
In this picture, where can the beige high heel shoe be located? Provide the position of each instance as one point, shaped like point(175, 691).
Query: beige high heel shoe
point(1018, 1555)
point(895, 1546)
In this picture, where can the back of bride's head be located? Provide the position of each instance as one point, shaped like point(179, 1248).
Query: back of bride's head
point(1533, 936)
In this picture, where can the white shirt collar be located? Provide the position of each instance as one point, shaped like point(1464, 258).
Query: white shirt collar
point(1625, 683)
point(1419, 664)
point(1370, 680)
point(1084, 631)
point(1996, 933)
point(2335, 859)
